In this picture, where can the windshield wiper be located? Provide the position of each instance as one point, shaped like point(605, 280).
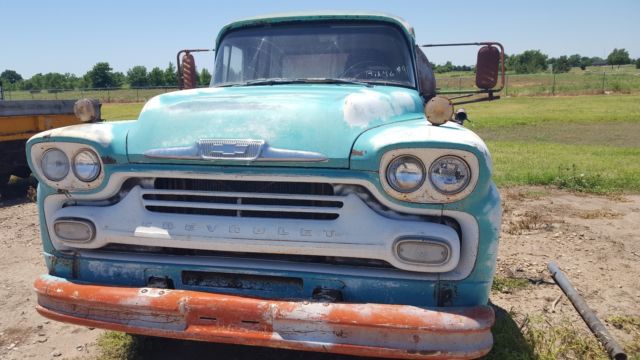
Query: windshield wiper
point(280, 81)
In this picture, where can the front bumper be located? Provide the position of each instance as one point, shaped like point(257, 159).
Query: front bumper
point(381, 330)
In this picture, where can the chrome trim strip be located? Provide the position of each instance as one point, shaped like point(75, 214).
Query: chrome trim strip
point(234, 149)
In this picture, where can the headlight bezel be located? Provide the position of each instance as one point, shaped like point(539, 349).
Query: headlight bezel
point(390, 173)
point(41, 163)
point(452, 158)
point(94, 156)
point(71, 182)
point(427, 193)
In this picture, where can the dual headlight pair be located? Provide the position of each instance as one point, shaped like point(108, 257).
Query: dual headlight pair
point(449, 175)
point(55, 165)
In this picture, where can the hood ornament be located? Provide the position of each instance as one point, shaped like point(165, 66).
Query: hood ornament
point(235, 150)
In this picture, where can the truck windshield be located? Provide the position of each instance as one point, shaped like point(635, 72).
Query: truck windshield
point(341, 52)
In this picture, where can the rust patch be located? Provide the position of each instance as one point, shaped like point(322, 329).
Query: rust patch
point(107, 160)
point(355, 152)
point(374, 330)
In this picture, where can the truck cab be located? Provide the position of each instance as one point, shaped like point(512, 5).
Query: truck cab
point(310, 198)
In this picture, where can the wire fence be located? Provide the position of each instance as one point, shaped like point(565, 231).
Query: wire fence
point(106, 95)
point(545, 84)
point(554, 84)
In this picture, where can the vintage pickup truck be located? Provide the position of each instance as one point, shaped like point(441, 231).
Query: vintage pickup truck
point(314, 197)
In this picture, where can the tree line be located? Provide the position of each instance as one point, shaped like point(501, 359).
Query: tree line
point(103, 76)
point(534, 61)
point(100, 76)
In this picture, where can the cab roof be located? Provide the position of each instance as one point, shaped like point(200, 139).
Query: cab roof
point(317, 16)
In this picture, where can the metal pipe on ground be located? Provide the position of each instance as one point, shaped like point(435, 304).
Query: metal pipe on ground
point(599, 330)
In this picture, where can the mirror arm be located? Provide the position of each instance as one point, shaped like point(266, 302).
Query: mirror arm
point(502, 68)
point(488, 98)
point(179, 64)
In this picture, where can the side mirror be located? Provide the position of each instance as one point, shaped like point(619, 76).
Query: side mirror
point(490, 73)
point(487, 67)
point(189, 76)
point(187, 72)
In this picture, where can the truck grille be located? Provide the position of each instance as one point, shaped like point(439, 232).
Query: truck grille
point(263, 199)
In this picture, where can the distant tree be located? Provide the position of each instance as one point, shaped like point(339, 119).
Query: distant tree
point(119, 79)
point(574, 60)
point(530, 61)
point(10, 77)
point(101, 76)
point(598, 61)
point(36, 82)
point(447, 67)
point(204, 78)
point(618, 57)
point(584, 62)
point(638, 63)
point(561, 65)
point(156, 77)
point(55, 81)
point(170, 77)
point(137, 76)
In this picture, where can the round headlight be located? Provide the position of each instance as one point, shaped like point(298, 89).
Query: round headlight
point(55, 164)
point(86, 165)
point(449, 174)
point(405, 174)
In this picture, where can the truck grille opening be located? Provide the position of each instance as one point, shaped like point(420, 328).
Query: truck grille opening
point(241, 281)
point(262, 199)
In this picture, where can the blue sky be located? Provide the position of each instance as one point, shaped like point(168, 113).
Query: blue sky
point(71, 36)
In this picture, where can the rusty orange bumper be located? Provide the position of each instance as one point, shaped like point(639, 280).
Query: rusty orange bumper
point(393, 331)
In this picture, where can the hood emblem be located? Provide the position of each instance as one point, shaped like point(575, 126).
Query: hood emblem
point(235, 150)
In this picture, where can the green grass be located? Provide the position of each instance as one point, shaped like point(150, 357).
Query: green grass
point(630, 325)
point(508, 285)
point(535, 339)
point(116, 346)
point(125, 111)
point(581, 143)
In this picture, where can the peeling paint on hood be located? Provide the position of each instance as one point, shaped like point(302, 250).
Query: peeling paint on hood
point(323, 118)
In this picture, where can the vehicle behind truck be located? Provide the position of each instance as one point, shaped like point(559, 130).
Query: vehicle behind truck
point(21, 119)
point(320, 195)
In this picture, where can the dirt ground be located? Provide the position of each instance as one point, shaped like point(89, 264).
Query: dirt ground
point(594, 239)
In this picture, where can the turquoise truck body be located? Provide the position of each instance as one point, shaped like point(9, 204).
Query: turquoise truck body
point(352, 126)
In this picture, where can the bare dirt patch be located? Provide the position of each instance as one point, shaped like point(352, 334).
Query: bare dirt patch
point(594, 239)
point(23, 333)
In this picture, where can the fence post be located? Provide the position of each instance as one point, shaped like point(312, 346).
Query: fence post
point(108, 96)
point(137, 98)
point(604, 76)
point(506, 85)
point(553, 87)
point(459, 83)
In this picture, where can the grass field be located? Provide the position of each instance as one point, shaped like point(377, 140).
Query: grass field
point(582, 143)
